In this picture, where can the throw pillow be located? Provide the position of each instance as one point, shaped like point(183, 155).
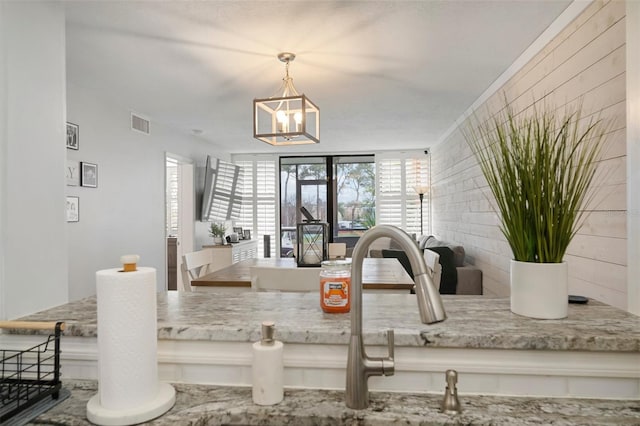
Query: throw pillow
point(393, 245)
point(375, 253)
point(449, 277)
point(422, 244)
point(458, 253)
point(432, 242)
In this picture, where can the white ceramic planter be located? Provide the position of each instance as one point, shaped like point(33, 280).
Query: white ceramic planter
point(539, 290)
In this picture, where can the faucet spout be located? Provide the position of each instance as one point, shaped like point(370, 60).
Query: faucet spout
point(360, 366)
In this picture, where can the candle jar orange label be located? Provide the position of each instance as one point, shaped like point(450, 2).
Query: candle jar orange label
point(335, 286)
point(335, 295)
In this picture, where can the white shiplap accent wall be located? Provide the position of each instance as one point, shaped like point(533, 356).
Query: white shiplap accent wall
point(633, 154)
point(585, 61)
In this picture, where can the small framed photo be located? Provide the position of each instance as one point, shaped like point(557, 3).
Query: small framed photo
point(73, 209)
point(73, 136)
point(247, 234)
point(72, 173)
point(238, 230)
point(89, 175)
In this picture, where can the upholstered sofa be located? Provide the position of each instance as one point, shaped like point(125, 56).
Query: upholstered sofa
point(465, 278)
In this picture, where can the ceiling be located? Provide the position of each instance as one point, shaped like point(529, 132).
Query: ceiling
point(385, 74)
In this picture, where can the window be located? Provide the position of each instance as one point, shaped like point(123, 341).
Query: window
point(355, 178)
point(397, 202)
point(351, 192)
point(171, 206)
point(258, 211)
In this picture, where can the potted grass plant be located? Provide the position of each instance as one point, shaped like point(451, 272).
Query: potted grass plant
point(217, 231)
point(539, 166)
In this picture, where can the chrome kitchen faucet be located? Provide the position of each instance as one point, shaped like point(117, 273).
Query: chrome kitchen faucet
point(359, 365)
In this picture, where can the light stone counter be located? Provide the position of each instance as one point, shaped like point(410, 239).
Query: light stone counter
point(214, 405)
point(473, 322)
point(205, 338)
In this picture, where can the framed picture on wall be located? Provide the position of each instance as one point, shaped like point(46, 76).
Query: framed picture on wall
point(73, 209)
point(72, 173)
point(89, 175)
point(73, 136)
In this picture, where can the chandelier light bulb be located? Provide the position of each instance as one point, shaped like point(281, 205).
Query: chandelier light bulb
point(298, 119)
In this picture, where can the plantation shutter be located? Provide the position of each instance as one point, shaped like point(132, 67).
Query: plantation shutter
point(397, 202)
point(247, 211)
point(417, 174)
point(259, 207)
point(266, 201)
point(390, 193)
point(171, 215)
point(225, 200)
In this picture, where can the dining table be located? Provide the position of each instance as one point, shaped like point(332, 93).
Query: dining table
point(377, 273)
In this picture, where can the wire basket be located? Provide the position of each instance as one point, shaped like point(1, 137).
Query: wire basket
point(31, 375)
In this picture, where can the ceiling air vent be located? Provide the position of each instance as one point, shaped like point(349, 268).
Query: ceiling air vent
point(139, 124)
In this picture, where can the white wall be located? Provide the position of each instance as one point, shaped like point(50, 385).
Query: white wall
point(32, 142)
point(3, 157)
point(585, 60)
point(633, 154)
point(125, 214)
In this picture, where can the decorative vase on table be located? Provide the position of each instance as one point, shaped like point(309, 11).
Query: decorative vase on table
point(539, 165)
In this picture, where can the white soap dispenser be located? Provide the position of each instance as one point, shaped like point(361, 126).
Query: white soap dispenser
point(267, 368)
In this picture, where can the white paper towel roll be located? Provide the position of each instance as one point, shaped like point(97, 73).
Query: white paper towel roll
point(127, 338)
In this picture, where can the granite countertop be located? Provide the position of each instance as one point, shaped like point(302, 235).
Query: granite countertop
point(216, 405)
point(473, 322)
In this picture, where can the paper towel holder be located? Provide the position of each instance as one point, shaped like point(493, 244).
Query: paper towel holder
point(129, 262)
point(124, 399)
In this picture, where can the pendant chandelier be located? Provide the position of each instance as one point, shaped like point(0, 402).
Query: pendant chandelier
point(287, 118)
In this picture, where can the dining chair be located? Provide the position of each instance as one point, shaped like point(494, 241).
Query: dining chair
point(273, 278)
point(432, 259)
point(195, 265)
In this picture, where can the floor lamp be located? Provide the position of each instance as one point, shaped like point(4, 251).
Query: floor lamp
point(421, 190)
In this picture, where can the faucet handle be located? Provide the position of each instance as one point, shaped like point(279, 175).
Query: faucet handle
point(390, 342)
point(451, 403)
point(388, 364)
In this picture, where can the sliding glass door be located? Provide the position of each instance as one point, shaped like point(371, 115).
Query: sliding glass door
point(303, 183)
point(337, 190)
